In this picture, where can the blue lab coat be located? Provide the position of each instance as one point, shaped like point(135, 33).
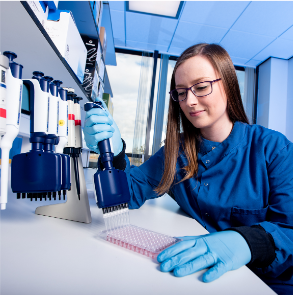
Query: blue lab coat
point(245, 180)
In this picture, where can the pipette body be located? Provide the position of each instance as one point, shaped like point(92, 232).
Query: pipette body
point(62, 128)
point(63, 121)
point(13, 108)
point(111, 186)
point(4, 66)
point(73, 147)
point(39, 173)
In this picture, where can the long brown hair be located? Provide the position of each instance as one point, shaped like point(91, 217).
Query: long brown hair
point(222, 63)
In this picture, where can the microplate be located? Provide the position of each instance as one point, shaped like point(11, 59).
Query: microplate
point(139, 239)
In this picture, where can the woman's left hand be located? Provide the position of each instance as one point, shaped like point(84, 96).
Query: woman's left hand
point(221, 251)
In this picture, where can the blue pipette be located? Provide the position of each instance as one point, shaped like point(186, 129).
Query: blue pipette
point(111, 186)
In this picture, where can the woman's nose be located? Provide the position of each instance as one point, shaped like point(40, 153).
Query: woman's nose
point(191, 99)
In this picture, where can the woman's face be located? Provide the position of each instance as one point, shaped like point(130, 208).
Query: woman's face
point(203, 112)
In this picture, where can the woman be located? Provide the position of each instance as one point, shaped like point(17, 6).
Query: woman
point(234, 178)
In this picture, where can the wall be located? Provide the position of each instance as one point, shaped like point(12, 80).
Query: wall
point(275, 96)
point(289, 123)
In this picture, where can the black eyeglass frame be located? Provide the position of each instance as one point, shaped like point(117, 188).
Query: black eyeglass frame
point(190, 88)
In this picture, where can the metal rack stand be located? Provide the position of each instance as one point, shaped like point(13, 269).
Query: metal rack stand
point(73, 209)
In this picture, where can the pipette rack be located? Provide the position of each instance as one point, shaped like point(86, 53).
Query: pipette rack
point(73, 209)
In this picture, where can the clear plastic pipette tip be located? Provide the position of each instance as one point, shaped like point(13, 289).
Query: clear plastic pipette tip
point(116, 216)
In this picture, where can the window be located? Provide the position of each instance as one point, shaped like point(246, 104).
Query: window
point(124, 80)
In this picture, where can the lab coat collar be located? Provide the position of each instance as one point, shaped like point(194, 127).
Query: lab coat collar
point(210, 153)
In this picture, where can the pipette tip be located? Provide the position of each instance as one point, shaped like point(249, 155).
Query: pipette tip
point(115, 208)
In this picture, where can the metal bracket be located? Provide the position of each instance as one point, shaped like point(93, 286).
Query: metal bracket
point(73, 209)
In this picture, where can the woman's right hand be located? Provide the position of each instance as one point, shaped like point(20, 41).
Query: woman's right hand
point(99, 125)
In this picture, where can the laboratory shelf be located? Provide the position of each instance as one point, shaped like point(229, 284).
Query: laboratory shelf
point(22, 33)
point(83, 17)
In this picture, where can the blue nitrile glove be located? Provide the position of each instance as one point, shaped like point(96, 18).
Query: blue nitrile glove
point(222, 251)
point(99, 125)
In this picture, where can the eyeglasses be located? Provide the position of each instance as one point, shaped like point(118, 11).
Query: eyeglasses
point(199, 90)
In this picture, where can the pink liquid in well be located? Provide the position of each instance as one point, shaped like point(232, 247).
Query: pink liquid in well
point(139, 240)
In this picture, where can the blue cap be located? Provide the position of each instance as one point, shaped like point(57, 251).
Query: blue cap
point(11, 55)
point(58, 83)
point(63, 94)
point(43, 82)
point(16, 70)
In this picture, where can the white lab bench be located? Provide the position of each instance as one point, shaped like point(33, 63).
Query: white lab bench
point(43, 255)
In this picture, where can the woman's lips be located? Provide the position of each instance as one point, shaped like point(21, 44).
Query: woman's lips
point(194, 114)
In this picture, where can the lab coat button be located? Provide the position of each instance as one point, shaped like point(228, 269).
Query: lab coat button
point(207, 161)
point(206, 184)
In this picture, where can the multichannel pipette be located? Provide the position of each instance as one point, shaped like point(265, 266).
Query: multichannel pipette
point(77, 206)
point(111, 187)
point(37, 172)
point(41, 172)
point(13, 107)
point(62, 132)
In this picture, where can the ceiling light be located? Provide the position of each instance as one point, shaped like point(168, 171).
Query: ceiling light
point(166, 8)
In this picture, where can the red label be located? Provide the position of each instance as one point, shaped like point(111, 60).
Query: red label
point(77, 122)
point(71, 116)
point(2, 113)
